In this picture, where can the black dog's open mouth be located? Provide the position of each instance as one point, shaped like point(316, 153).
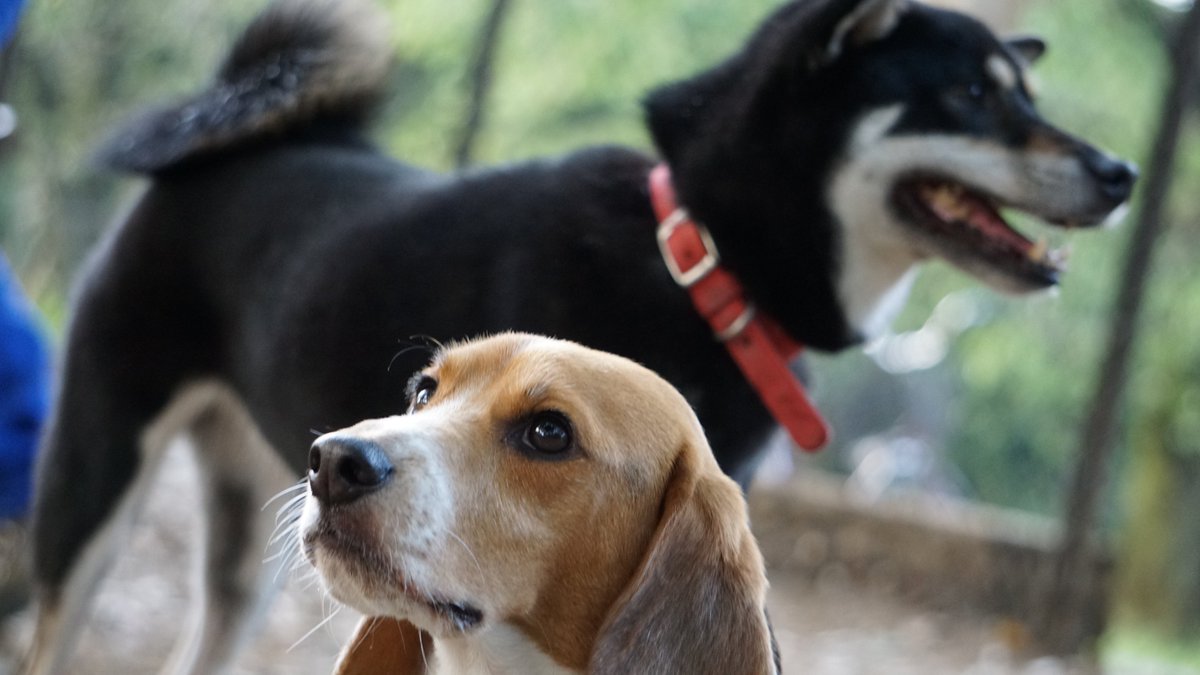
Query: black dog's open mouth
point(970, 221)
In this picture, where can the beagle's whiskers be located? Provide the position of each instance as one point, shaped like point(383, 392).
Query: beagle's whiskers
point(284, 540)
point(337, 608)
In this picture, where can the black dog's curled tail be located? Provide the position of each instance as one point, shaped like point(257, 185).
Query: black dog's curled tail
point(300, 62)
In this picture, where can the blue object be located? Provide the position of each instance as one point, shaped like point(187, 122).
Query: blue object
point(10, 13)
point(24, 393)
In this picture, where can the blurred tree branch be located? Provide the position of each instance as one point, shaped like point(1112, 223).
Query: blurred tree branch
point(1073, 579)
point(481, 79)
point(1158, 19)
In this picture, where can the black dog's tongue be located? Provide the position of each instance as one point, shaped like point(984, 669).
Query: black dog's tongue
point(952, 203)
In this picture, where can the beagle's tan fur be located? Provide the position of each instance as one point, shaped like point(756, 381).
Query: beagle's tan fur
point(543, 508)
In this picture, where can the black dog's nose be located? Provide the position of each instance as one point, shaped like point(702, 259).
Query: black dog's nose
point(1116, 176)
point(342, 469)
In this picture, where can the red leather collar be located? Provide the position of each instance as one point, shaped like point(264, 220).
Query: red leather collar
point(756, 342)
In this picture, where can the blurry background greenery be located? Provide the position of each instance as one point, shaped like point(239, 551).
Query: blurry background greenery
point(976, 394)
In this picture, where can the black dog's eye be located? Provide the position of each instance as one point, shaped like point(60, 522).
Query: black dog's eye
point(974, 93)
point(422, 392)
point(548, 433)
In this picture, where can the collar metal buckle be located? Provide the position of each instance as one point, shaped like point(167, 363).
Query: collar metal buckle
point(738, 326)
point(686, 278)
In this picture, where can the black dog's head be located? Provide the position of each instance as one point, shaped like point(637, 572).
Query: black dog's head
point(852, 139)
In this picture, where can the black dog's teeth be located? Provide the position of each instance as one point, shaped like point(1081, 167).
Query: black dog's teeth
point(978, 218)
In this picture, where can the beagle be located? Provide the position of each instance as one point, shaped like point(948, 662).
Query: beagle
point(542, 508)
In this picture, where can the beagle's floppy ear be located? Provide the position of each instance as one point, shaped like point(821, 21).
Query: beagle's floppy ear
point(697, 603)
point(385, 646)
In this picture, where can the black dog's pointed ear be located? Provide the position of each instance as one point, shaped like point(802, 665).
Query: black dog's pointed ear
point(1029, 47)
point(869, 20)
point(697, 604)
point(807, 35)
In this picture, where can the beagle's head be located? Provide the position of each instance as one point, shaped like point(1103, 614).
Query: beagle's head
point(542, 507)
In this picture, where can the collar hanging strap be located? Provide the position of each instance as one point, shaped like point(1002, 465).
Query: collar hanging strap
point(757, 343)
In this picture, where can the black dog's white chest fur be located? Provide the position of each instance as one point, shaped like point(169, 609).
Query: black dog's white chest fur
point(279, 254)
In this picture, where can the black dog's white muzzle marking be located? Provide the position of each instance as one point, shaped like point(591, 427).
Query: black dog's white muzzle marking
point(880, 244)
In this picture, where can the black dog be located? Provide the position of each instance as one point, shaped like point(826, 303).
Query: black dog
point(265, 283)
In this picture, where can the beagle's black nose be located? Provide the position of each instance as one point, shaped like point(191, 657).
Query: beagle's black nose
point(344, 468)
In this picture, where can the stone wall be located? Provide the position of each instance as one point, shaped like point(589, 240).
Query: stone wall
point(943, 553)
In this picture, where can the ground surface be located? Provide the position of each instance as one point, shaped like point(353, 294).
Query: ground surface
point(825, 630)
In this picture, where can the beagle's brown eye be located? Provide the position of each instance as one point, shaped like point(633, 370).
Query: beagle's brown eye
point(423, 392)
point(548, 433)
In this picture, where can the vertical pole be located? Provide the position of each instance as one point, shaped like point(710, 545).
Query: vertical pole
point(1073, 582)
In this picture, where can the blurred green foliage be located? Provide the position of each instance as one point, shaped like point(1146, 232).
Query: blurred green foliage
point(568, 73)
